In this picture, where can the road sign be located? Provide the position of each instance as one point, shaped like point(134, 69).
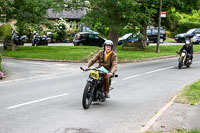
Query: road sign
point(163, 15)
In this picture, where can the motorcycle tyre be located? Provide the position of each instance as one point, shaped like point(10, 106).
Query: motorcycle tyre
point(180, 65)
point(188, 65)
point(85, 96)
point(22, 43)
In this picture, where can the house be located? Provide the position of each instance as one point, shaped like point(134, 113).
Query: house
point(71, 15)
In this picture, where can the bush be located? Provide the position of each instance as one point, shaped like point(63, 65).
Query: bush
point(168, 34)
point(54, 35)
point(6, 32)
point(61, 29)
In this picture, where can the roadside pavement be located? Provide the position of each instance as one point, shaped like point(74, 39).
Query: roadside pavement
point(178, 116)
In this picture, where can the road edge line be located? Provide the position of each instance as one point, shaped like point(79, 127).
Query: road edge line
point(155, 117)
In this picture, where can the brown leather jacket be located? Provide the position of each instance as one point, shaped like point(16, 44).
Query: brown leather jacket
point(110, 64)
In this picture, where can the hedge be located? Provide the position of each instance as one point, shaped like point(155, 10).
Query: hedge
point(6, 32)
point(183, 27)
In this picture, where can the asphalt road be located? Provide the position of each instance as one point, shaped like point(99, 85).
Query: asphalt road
point(45, 97)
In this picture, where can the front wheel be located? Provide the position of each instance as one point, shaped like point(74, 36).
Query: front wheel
point(180, 63)
point(87, 96)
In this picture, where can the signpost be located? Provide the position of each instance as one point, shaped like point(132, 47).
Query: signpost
point(163, 14)
point(159, 21)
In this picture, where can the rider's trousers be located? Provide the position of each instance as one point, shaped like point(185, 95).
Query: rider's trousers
point(106, 83)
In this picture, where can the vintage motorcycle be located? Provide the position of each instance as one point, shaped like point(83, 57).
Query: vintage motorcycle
point(183, 60)
point(94, 89)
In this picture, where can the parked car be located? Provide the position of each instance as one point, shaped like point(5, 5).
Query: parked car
point(188, 35)
point(88, 38)
point(152, 34)
point(129, 38)
point(195, 39)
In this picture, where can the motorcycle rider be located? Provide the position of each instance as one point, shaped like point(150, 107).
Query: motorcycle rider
point(108, 59)
point(189, 48)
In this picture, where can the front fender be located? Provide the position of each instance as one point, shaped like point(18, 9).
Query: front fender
point(90, 80)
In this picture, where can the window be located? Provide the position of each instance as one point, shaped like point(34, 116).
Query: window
point(148, 31)
point(197, 31)
point(93, 36)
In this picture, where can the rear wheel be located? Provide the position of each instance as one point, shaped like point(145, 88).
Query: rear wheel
point(33, 44)
point(46, 43)
point(87, 96)
point(80, 44)
point(22, 43)
point(188, 65)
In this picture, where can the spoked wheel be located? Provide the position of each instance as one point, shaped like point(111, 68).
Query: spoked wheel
point(87, 96)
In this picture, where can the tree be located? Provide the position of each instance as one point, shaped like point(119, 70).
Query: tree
point(25, 11)
point(115, 14)
point(5, 10)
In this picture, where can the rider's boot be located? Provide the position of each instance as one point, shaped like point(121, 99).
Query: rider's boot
point(107, 95)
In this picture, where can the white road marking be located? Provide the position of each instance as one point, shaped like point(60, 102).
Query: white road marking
point(34, 77)
point(35, 63)
point(159, 70)
point(36, 101)
point(196, 62)
point(162, 110)
point(138, 75)
point(134, 76)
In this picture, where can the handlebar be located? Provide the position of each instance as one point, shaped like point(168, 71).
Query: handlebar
point(115, 75)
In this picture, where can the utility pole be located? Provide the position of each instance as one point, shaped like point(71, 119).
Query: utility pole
point(159, 21)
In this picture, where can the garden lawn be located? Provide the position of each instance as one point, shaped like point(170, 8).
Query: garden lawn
point(135, 54)
point(67, 53)
point(83, 53)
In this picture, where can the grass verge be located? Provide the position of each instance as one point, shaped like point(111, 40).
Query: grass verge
point(190, 94)
point(135, 54)
point(69, 53)
point(170, 40)
point(83, 53)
